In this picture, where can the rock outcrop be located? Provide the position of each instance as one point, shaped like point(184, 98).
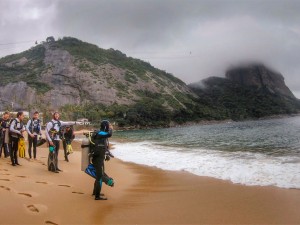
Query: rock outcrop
point(69, 79)
point(259, 76)
point(252, 91)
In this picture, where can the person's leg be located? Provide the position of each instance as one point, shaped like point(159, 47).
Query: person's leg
point(1, 146)
point(12, 152)
point(7, 150)
point(16, 151)
point(2, 143)
point(65, 150)
point(52, 159)
point(30, 140)
point(56, 143)
point(98, 182)
point(34, 146)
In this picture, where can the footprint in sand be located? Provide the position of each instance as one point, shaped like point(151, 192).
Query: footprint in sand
point(5, 188)
point(64, 185)
point(50, 222)
point(77, 192)
point(5, 179)
point(32, 208)
point(41, 182)
point(37, 208)
point(25, 194)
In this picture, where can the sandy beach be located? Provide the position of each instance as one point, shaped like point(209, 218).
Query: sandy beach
point(30, 194)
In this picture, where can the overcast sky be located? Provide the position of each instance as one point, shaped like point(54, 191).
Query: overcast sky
point(192, 39)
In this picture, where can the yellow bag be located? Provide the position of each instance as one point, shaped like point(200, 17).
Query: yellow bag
point(69, 149)
point(21, 147)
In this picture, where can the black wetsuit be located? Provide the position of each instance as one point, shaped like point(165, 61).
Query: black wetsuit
point(15, 128)
point(56, 124)
point(67, 138)
point(33, 127)
point(4, 136)
point(100, 148)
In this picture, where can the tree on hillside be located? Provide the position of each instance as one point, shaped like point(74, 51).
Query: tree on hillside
point(50, 39)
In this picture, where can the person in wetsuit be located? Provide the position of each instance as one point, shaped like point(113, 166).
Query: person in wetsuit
point(16, 129)
point(98, 155)
point(33, 129)
point(55, 124)
point(67, 137)
point(4, 129)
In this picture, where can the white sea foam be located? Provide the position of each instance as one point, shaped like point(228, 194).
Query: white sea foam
point(238, 167)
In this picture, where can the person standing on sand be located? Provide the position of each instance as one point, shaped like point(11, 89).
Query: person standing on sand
point(99, 154)
point(33, 129)
point(16, 129)
point(55, 124)
point(67, 138)
point(4, 126)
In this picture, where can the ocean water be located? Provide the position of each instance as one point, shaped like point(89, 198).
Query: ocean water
point(264, 152)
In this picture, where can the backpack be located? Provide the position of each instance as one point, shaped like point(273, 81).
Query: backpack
point(53, 132)
point(13, 134)
point(98, 146)
point(35, 126)
point(57, 122)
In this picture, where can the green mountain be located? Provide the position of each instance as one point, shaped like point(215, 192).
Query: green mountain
point(82, 80)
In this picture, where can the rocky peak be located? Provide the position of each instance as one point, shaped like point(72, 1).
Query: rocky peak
point(258, 75)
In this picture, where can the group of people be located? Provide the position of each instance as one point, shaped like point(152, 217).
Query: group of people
point(12, 130)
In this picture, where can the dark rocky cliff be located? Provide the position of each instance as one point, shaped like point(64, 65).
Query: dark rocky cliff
point(259, 76)
point(251, 91)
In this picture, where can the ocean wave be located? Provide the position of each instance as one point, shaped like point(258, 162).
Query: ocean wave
point(246, 168)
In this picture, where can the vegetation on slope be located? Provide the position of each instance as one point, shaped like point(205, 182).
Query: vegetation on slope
point(29, 72)
point(219, 100)
point(240, 102)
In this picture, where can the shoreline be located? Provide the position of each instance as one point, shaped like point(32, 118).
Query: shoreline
point(176, 197)
point(203, 122)
point(141, 195)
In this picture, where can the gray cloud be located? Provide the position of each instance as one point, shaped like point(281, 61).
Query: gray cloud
point(192, 39)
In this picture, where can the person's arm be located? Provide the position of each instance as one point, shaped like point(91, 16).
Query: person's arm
point(12, 127)
point(48, 127)
point(69, 123)
point(23, 129)
point(72, 136)
point(1, 124)
point(40, 128)
point(28, 126)
point(109, 132)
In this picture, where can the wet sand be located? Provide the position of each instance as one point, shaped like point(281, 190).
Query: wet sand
point(29, 194)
